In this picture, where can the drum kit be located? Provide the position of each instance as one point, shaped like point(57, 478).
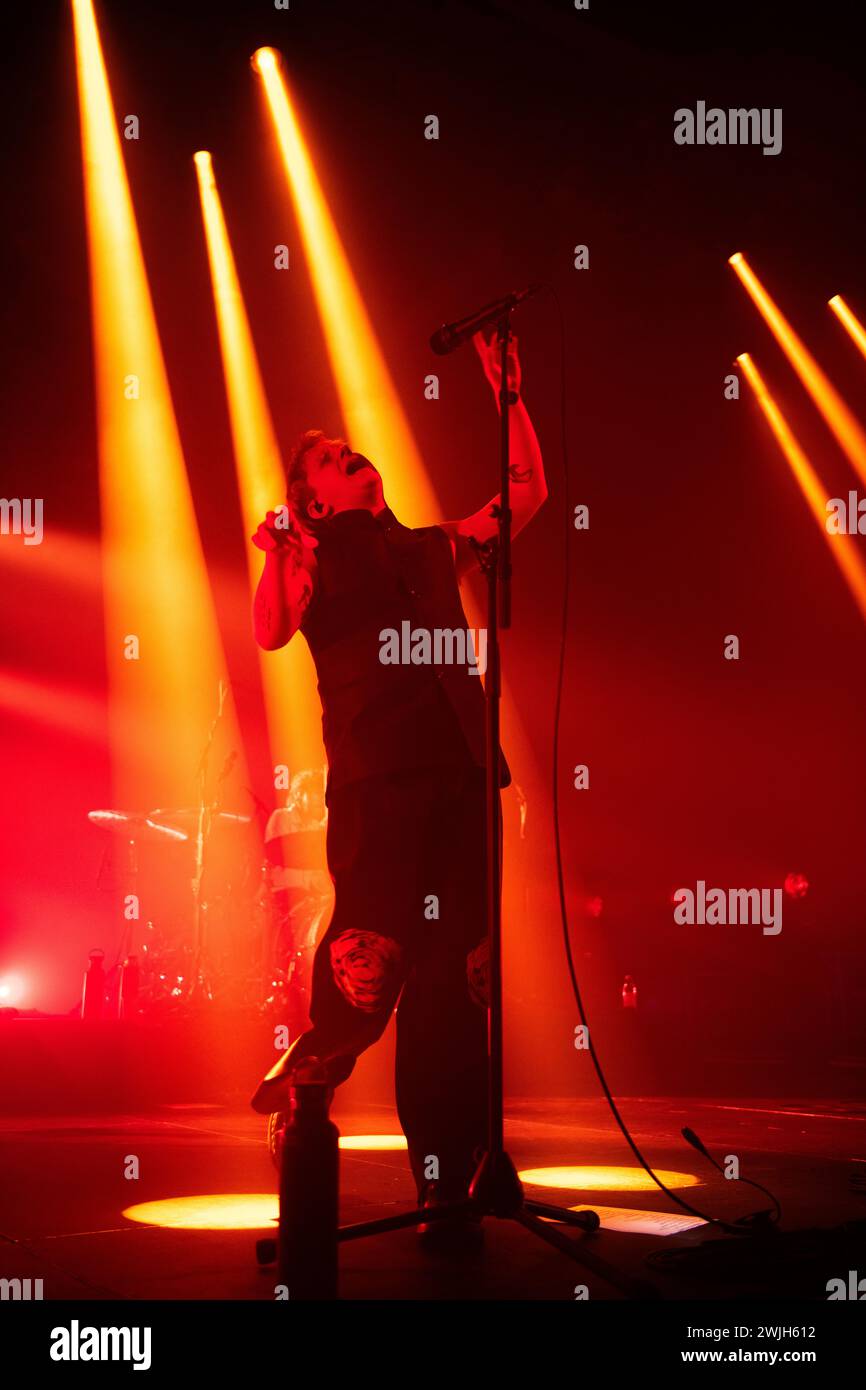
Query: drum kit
point(242, 938)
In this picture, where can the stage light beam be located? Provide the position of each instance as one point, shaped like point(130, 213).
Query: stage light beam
point(288, 676)
point(849, 321)
point(163, 686)
point(840, 420)
point(841, 546)
point(370, 406)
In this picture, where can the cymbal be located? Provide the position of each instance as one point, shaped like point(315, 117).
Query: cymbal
point(188, 816)
point(133, 825)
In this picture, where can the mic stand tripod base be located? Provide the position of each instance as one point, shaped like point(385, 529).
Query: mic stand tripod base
point(496, 1191)
point(308, 1235)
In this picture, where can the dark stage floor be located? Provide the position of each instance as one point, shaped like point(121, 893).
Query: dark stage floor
point(63, 1195)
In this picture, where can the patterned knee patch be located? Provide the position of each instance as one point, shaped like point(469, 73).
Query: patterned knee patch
point(478, 974)
point(364, 966)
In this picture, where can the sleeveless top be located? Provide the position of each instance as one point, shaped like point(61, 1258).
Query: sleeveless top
point(374, 577)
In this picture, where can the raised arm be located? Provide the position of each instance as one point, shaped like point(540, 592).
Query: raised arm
point(528, 485)
point(287, 583)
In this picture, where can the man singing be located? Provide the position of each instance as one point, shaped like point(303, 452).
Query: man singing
point(406, 839)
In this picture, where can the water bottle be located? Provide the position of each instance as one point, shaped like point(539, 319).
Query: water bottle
point(93, 993)
point(309, 1157)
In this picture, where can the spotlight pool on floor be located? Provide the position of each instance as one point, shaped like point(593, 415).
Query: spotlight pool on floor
point(605, 1179)
point(217, 1211)
point(380, 1142)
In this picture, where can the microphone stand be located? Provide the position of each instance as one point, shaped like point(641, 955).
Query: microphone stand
point(495, 1189)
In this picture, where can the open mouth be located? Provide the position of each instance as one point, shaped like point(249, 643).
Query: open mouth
point(356, 462)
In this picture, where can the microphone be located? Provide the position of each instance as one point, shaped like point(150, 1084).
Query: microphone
point(451, 335)
point(696, 1143)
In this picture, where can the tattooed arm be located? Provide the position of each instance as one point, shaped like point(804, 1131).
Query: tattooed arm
point(528, 486)
point(286, 586)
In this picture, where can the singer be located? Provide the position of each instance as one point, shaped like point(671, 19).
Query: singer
point(406, 827)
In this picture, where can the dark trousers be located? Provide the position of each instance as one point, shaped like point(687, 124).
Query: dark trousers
point(407, 854)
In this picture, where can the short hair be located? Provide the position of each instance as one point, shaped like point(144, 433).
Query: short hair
point(299, 494)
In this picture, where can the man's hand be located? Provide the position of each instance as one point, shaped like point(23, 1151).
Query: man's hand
point(526, 470)
point(286, 586)
point(489, 351)
point(281, 534)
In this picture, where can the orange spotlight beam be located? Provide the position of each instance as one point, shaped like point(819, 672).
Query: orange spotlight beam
point(844, 552)
point(164, 650)
point(835, 412)
point(370, 405)
point(849, 321)
point(288, 676)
